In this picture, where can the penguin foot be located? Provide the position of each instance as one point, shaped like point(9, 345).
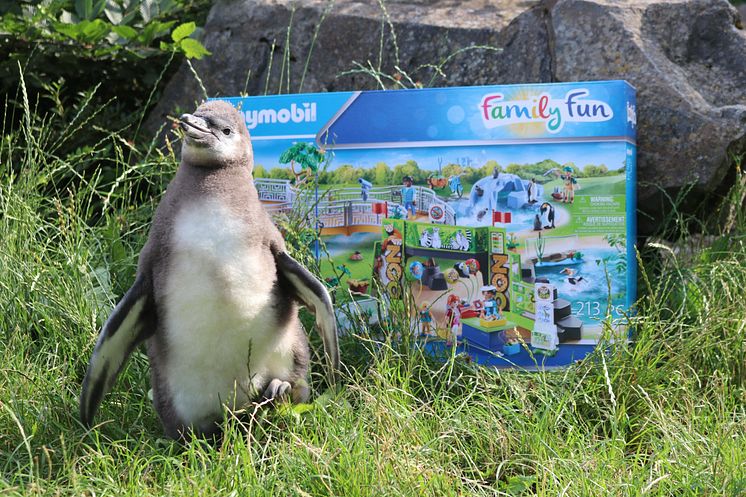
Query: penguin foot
point(278, 391)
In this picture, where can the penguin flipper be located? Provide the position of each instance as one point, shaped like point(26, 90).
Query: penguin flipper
point(313, 294)
point(131, 322)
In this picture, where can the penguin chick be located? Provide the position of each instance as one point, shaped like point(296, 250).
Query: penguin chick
point(216, 293)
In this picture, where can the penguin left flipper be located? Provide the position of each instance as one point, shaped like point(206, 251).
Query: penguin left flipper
point(313, 294)
point(131, 322)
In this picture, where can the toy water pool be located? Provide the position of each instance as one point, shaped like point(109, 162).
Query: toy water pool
point(592, 276)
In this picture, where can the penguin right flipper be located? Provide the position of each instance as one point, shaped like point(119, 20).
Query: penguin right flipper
point(131, 322)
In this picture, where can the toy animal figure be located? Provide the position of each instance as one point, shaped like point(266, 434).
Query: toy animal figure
point(426, 239)
point(435, 242)
point(572, 276)
point(547, 209)
point(437, 182)
point(461, 241)
point(531, 191)
point(537, 223)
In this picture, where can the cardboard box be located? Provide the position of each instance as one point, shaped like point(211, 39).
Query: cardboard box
point(443, 193)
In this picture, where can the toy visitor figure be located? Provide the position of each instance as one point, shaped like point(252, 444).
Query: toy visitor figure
point(570, 185)
point(426, 319)
point(453, 319)
point(490, 311)
point(407, 195)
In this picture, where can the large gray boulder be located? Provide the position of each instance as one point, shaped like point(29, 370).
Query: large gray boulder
point(687, 59)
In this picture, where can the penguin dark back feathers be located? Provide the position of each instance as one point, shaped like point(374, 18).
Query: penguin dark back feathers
point(216, 293)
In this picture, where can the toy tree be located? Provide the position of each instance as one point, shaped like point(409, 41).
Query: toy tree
point(307, 156)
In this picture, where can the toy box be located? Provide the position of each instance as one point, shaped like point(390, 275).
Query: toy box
point(506, 214)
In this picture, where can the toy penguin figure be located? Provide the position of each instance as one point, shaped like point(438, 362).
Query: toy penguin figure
point(547, 210)
point(537, 223)
point(216, 293)
point(531, 191)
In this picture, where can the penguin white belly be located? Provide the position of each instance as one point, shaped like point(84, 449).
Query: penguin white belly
point(222, 333)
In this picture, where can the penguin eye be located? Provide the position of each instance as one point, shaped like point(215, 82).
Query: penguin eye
point(227, 131)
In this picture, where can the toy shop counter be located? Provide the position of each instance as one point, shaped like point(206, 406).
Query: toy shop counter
point(485, 333)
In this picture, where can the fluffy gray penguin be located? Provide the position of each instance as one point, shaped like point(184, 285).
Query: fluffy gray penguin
point(216, 293)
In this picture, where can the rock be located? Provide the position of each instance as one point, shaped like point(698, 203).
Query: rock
point(687, 59)
point(517, 200)
point(249, 44)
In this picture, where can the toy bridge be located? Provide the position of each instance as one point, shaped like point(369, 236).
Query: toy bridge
point(343, 210)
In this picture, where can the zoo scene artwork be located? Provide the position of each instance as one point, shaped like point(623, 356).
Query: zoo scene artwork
point(501, 218)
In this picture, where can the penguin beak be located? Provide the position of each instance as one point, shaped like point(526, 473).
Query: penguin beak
point(190, 123)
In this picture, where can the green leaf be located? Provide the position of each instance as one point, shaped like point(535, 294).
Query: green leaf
point(114, 12)
point(148, 10)
point(84, 8)
point(153, 30)
point(125, 32)
point(71, 30)
point(89, 9)
point(183, 31)
point(98, 7)
point(193, 49)
point(93, 31)
point(165, 6)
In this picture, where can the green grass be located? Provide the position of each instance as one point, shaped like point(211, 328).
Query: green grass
point(662, 417)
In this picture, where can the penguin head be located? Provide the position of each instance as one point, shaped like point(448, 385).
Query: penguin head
point(216, 136)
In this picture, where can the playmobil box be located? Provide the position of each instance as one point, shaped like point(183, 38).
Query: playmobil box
point(502, 218)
